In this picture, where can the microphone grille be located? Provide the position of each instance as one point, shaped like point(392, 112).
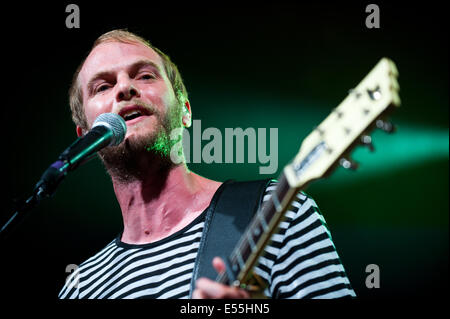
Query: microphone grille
point(115, 123)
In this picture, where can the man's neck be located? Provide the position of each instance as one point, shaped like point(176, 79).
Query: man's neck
point(158, 205)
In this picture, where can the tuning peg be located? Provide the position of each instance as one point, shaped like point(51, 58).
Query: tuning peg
point(388, 127)
point(374, 94)
point(348, 164)
point(366, 140)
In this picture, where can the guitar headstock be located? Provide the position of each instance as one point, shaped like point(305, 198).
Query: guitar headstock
point(365, 108)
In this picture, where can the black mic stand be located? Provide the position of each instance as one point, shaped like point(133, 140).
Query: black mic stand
point(111, 130)
point(45, 188)
point(21, 211)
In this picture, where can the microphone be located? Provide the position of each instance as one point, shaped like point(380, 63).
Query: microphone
point(109, 129)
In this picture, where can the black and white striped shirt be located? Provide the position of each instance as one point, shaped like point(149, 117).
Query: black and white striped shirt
point(300, 262)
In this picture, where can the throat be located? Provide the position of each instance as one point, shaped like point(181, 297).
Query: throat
point(148, 228)
point(156, 210)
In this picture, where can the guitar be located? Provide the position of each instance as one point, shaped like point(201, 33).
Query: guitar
point(329, 145)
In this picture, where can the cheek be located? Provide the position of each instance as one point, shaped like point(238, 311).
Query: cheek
point(160, 96)
point(93, 109)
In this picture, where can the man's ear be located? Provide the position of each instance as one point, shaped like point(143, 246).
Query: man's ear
point(187, 106)
point(79, 131)
point(187, 114)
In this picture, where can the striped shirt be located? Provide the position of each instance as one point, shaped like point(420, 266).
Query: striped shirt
point(300, 262)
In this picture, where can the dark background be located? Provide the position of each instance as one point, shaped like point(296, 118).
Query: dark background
point(263, 65)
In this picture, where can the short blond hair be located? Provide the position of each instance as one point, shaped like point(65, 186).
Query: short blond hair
point(123, 36)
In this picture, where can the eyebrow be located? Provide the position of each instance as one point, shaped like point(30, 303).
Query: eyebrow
point(133, 67)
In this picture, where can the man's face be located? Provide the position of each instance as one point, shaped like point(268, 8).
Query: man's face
point(127, 79)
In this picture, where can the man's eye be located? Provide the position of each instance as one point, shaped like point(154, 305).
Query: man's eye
point(147, 76)
point(103, 87)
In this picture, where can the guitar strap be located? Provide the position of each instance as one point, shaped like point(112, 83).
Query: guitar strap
point(230, 211)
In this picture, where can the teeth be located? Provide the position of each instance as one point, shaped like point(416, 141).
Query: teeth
point(131, 115)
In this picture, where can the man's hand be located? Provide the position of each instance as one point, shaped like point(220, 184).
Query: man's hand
point(209, 289)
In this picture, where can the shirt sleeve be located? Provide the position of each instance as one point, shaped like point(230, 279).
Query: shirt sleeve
point(301, 260)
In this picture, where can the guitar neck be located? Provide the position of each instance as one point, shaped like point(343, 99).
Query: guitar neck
point(258, 233)
point(329, 145)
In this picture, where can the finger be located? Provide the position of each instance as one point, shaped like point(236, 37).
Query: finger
point(219, 265)
point(214, 290)
point(209, 288)
point(198, 294)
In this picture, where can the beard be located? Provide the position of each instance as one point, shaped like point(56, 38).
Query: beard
point(139, 156)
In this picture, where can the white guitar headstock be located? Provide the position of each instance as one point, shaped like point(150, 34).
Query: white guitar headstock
point(349, 125)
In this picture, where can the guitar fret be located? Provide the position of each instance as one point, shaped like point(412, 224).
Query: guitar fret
point(235, 268)
point(256, 230)
point(263, 223)
point(276, 202)
point(240, 260)
point(251, 241)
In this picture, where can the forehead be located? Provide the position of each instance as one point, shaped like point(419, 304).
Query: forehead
point(113, 56)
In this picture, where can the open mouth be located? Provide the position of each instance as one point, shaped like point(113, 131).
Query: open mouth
point(131, 112)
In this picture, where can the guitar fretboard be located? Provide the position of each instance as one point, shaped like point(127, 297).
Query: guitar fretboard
point(257, 234)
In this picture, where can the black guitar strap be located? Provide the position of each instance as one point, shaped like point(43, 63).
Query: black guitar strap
point(230, 211)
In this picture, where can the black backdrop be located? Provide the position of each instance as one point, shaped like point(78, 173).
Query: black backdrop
point(260, 65)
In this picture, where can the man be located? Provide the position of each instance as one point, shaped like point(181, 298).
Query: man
point(163, 204)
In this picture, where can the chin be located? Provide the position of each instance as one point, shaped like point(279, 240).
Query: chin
point(139, 133)
point(139, 139)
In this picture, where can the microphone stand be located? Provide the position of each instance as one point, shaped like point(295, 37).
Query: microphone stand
point(45, 188)
point(108, 129)
point(20, 213)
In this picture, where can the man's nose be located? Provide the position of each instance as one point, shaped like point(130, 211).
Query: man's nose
point(126, 89)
